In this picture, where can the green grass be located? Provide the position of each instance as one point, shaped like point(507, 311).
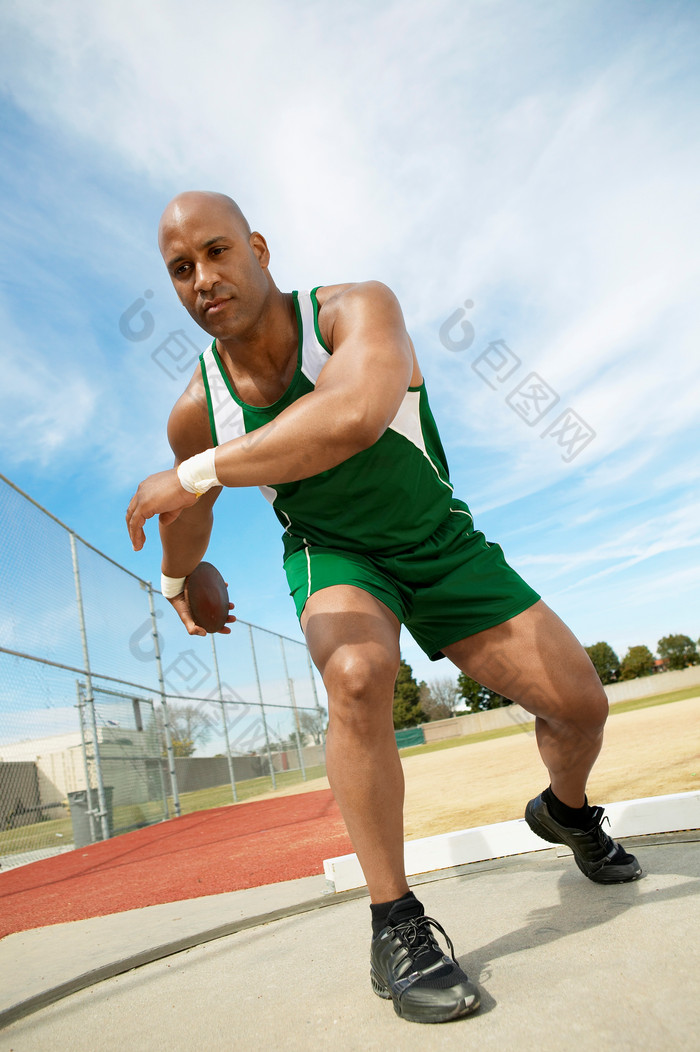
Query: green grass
point(655, 699)
point(469, 739)
point(220, 795)
point(54, 833)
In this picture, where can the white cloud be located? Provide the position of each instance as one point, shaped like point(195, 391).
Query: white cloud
point(536, 162)
point(45, 410)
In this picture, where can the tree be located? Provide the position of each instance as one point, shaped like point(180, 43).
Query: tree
point(638, 661)
point(444, 693)
point(678, 651)
point(313, 724)
point(292, 743)
point(470, 690)
point(189, 727)
point(407, 706)
point(477, 697)
point(605, 661)
point(432, 707)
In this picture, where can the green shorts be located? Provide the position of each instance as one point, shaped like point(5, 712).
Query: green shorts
point(449, 586)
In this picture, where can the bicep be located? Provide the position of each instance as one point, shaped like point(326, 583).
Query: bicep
point(189, 430)
point(372, 361)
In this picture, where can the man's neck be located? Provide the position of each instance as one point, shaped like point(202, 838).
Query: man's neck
point(261, 365)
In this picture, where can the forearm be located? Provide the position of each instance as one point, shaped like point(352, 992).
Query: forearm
point(312, 435)
point(185, 541)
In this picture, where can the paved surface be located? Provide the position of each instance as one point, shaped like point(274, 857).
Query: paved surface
point(561, 963)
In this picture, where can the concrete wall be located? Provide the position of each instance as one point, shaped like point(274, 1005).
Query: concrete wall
point(19, 794)
point(126, 757)
point(657, 683)
point(289, 761)
point(60, 773)
point(494, 719)
point(206, 772)
point(58, 762)
point(475, 723)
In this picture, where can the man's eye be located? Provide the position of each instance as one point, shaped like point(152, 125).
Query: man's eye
point(182, 269)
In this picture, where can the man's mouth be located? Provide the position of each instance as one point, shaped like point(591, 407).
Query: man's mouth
point(214, 306)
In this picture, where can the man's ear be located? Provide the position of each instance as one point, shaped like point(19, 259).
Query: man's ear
point(259, 246)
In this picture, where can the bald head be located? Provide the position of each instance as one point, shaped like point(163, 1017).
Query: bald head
point(218, 266)
point(202, 203)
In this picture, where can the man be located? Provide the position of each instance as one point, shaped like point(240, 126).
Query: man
point(318, 399)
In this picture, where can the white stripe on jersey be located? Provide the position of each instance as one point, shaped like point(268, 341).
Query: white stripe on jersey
point(407, 423)
point(313, 355)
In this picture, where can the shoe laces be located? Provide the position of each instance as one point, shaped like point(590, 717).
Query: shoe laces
point(416, 935)
point(607, 845)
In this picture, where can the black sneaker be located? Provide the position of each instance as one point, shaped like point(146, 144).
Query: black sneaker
point(408, 966)
point(596, 854)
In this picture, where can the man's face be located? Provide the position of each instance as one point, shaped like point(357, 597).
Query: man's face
point(218, 269)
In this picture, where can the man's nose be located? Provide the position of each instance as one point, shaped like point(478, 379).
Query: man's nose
point(205, 277)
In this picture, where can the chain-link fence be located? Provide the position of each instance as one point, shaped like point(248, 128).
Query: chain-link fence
point(109, 720)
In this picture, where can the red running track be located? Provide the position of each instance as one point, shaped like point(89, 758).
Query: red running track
point(228, 848)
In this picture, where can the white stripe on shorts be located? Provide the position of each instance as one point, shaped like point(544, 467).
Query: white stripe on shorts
point(308, 569)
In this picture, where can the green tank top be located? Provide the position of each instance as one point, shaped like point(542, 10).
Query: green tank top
point(385, 499)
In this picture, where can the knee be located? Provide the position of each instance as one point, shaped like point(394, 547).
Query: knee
point(587, 710)
point(594, 706)
point(578, 707)
point(360, 688)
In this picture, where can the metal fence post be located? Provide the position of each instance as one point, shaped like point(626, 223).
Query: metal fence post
point(292, 698)
point(81, 719)
point(262, 708)
point(318, 705)
point(231, 772)
point(164, 703)
point(90, 699)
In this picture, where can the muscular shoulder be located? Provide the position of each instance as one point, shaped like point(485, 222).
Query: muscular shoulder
point(189, 431)
point(353, 303)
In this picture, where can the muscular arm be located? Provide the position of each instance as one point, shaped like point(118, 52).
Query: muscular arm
point(185, 538)
point(356, 396)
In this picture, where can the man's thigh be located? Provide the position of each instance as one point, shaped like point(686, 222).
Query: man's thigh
point(536, 660)
point(352, 635)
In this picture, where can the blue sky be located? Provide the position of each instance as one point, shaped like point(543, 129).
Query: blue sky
point(528, 170)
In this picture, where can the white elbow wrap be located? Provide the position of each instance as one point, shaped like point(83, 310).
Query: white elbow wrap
point(171, 586)
point(198, 474)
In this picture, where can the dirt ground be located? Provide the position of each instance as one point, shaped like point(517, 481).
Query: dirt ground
point(650, 752)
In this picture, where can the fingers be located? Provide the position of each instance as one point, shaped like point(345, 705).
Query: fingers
point(181, 606)
point(225, 631)
point(160, 494)
point(134, 524)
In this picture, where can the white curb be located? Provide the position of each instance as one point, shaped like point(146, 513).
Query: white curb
point(653, 814)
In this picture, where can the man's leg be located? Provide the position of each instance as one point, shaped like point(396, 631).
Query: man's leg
point(536, 660)
point(354, 642)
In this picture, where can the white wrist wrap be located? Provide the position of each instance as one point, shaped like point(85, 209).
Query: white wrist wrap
point(198, 474)
point(171, 586)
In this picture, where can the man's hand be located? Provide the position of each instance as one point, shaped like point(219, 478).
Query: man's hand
point(161, 494)
point(182, 608)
